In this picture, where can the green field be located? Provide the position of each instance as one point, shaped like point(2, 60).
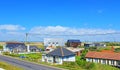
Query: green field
point(7, 66)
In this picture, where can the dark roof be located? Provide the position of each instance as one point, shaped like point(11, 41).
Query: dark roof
point(77, 41)
point(13, 45)
point(33, 47)
point(61, 52)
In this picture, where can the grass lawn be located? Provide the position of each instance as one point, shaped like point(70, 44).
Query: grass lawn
point(7, 66)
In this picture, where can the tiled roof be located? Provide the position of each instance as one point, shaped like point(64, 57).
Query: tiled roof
point(33, 47)
point(13, 45)
point(103, 55)
point(61, 52)
point(78, 41)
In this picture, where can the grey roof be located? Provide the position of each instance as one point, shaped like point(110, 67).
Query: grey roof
point(33, 47)
point(61, 52)
point(13, 45)
point(76, 41)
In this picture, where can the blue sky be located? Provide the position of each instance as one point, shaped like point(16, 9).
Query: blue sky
point(58, 16)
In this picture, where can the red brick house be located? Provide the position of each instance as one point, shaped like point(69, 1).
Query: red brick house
point(73, 43)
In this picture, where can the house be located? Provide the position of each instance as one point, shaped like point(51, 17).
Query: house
point(18, 47)
point(104, 57)
point(58, 56)
point(88, 45)
point(77, 51)
point(34, 49)
point(94, 45)
point(73, 43)
point(14, 47)
point(53, 42)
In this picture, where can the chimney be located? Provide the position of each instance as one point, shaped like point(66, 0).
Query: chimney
point(28, 48)
point(112, 49)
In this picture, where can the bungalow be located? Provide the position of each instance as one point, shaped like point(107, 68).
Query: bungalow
point(58, 56)
point(33, 49)
point(94, 45)
point(104, 57)
point(73, 43)
point(14, 47)
point(18, 47)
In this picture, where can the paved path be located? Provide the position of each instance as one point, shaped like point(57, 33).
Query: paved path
point(25, 65)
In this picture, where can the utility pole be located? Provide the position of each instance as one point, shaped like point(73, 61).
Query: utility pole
point(26, 38)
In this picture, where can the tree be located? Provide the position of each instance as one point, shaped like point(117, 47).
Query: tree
point(84, 52)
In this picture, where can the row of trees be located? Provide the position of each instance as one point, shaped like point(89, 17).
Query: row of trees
point(112, 43)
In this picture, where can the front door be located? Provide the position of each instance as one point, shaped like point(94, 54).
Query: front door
point(118, 62)
point(54, 60)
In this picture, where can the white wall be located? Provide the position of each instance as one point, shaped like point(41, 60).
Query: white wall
point(101, 60)
point(50, 41)
point(89, 59)
point(58, 59)
point(49, 59)
point(70, 58)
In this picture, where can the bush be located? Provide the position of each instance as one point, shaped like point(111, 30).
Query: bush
point(1, 47)
point(117, 50)
point(6, 53)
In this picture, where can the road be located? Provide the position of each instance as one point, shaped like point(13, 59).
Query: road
point(25, 65)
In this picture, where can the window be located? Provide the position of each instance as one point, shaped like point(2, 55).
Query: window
point(89, 59)
point(96, 60)
point(49, 60)
point(103, 61)
point(112, 62)
point(118, 63)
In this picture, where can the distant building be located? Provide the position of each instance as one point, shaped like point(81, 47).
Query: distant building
point(104, 57)
point(73, 43)
point(94, 45)
point(58, 56)
point(34, 49)
point(53, 43)
point(77, 51)
point(14, 47)
point(18, 47)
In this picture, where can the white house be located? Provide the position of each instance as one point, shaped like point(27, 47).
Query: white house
point(58, 56)
point(14, 47)
point(18, 47)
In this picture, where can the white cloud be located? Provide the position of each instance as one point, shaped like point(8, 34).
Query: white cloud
point(11, 27)
point(82, 33)
point(17, 33)
point(68, 30)
point(11, 32)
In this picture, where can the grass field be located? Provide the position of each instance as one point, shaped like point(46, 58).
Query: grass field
point(9, 67)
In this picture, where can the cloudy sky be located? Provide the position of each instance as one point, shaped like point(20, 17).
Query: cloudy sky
point(44, 18)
